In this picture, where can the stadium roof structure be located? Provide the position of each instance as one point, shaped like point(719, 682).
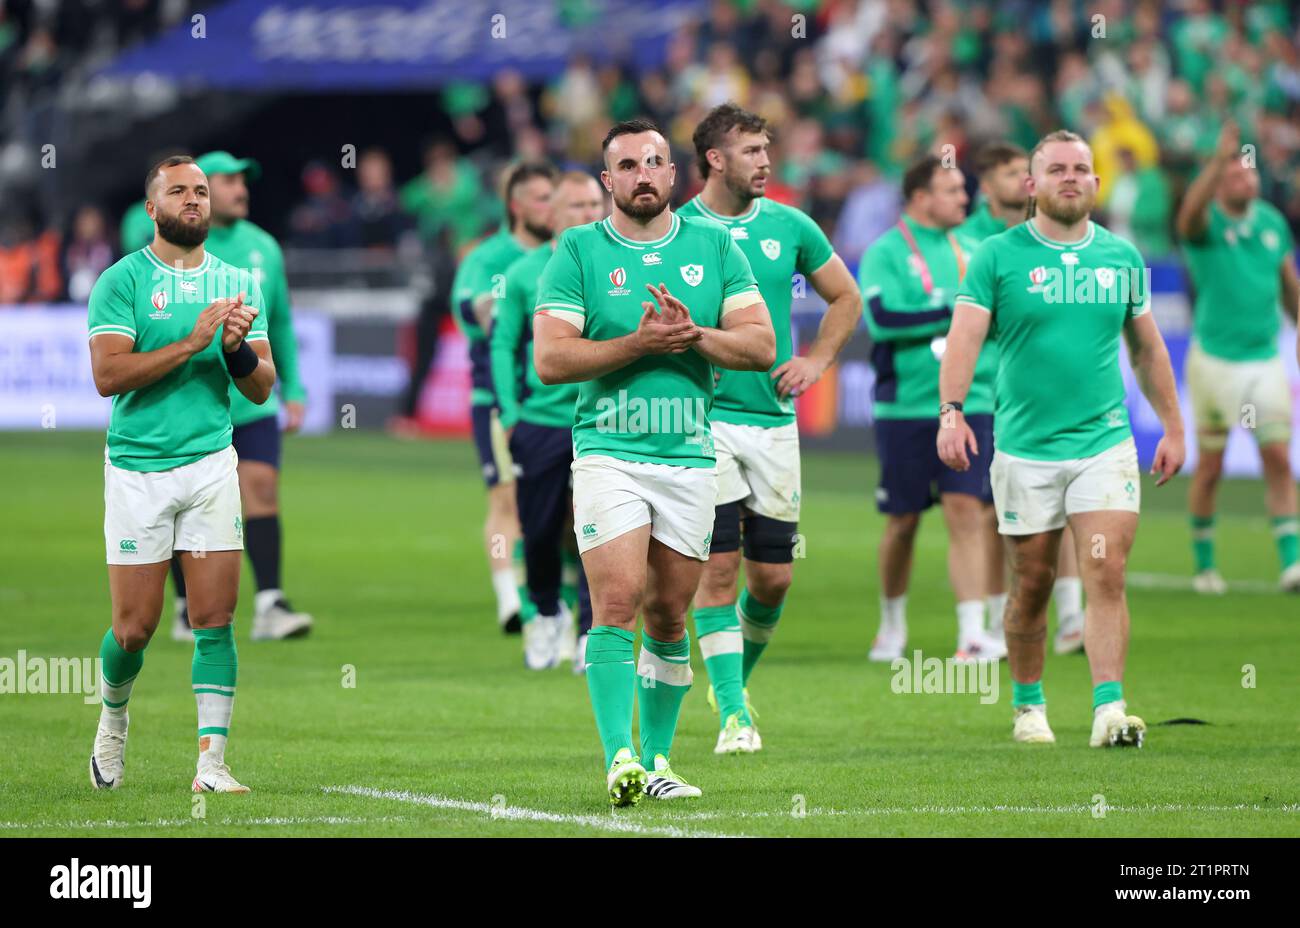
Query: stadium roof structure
point(333, 45)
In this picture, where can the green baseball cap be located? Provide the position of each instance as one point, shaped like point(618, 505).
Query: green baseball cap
point(223, 162)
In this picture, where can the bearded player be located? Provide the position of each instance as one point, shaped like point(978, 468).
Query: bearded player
point(1002, 168)
point(1059, 290)
point(755, 436)
point(171, 327)
point(643, 479)
point(256, 436)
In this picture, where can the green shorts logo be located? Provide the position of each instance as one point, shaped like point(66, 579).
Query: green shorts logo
point(239, 527)
point(127, 546)
point(1009, 516)
point(589, 530)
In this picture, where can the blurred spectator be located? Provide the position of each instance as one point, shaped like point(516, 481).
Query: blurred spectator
point(1140, 207)
point(376, 214)
point(1119, 129)
point(871, 208)
point(448, 195)
point(29, 262)
point(87, 253)
point(324, 218)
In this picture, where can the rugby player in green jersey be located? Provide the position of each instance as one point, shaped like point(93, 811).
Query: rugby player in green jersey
point(1058, 290)
point(643, 483)
point(909, 278)
point(755, 436)
point(1002, 168)
point(171, 327)
point(1240, 254)
point(538, 420)
point(256, 436)
point(474, 291)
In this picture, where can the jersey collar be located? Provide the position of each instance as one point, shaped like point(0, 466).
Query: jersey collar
point(179, 272)
point(641, 246)
point(1061, 246)
point(746, 216)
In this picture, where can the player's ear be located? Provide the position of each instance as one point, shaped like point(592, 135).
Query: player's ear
point(606, 182)
point(672, 176)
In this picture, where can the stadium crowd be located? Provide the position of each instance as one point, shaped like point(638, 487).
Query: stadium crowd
point(855, 88)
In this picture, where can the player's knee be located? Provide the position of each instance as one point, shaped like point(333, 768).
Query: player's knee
point(617, 607)
point(902, 527)
point(1106, 577)
point(133, 636)
point(1034, 581)
point(210, 616)
point(769, 582)
point(1276, 458)
point(1209, 467)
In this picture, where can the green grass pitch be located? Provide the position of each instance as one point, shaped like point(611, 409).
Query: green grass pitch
point(445, 733)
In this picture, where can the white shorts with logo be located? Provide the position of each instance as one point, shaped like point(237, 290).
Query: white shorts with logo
point(1037, 496)
point(1226, 394)
point(611, 497)
point(759, 468)
point(194, 507)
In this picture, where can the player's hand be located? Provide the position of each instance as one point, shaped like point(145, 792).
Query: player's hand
point(654, 336)
point(1228, 146)
point(210, 321)
point(797, 375)
point(1170, 455)
point(294, 414)
point(671, 309)
point(238, 323)
point(955, 437)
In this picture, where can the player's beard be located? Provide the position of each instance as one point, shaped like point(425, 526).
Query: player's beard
point(180, 233)
point(741, 186)
point(642, 212)
point(1066, 212)
point(541, 233)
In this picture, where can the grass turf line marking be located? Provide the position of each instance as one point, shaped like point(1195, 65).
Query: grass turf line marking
point(1145, 581)
point(182, 822)
point(519, 813)
point(1080, 809)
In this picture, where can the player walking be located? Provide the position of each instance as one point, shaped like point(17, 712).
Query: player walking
point(1239, 252)
point(256, 436)
point(538, 420)
point(909, 278)
point(755, 436)
point(473, 293)
point(643, 482)
point(1059, 289)
point(170, 474)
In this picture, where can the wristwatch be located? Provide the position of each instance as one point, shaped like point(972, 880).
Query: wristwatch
point(949, 407)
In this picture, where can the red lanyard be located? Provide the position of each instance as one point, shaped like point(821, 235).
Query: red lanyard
point(926, 280)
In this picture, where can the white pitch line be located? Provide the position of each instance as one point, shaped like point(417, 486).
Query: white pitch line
point(183, 822)
point(611, 822)
point(1289, 808)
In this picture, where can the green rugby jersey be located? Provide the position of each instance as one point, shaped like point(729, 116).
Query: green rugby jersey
point(520, 394)
point(980, 224)
point(184, 415)
point(482, 274)
point(655, 409)
point(252, 248)
point(1058, 311)
point(779, 242)
point(909, 326)
point(1236, 271)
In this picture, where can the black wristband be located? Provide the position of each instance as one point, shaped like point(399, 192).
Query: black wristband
point(242, 361)
point(949, 407)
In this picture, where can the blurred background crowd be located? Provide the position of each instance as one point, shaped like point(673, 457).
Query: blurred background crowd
point(854, 88)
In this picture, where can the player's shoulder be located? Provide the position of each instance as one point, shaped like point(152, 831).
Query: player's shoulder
point(702, 227)
point(124, 271)
point(264, 239)
point(1268, 213)
point(775, 209)
point(239, 277)
point(530, 262)
point(1115, 244)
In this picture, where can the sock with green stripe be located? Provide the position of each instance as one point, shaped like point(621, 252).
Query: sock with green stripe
point(569, 579)
point(119, 668)
point(1203, 542)
point(1284, 535)
point(611, 679)
point(527, 608)
point(1110, 691)
point(757, 625)
point(213, 674)
point(665, 672)
point(718, 632)
point(1027, 694)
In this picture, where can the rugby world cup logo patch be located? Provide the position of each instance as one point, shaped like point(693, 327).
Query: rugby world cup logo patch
point(160, 300)
point(1038, 275)
point(618, 277)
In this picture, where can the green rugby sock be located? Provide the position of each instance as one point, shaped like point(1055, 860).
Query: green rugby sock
point(611, 678)
point(119, 668)
point(213, 674)
point(665, 672)
point(1284, 535)
point(718, 632)
point(1110, 691)
point(1203, 542)
point(757, 625)
point(1027, 694)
